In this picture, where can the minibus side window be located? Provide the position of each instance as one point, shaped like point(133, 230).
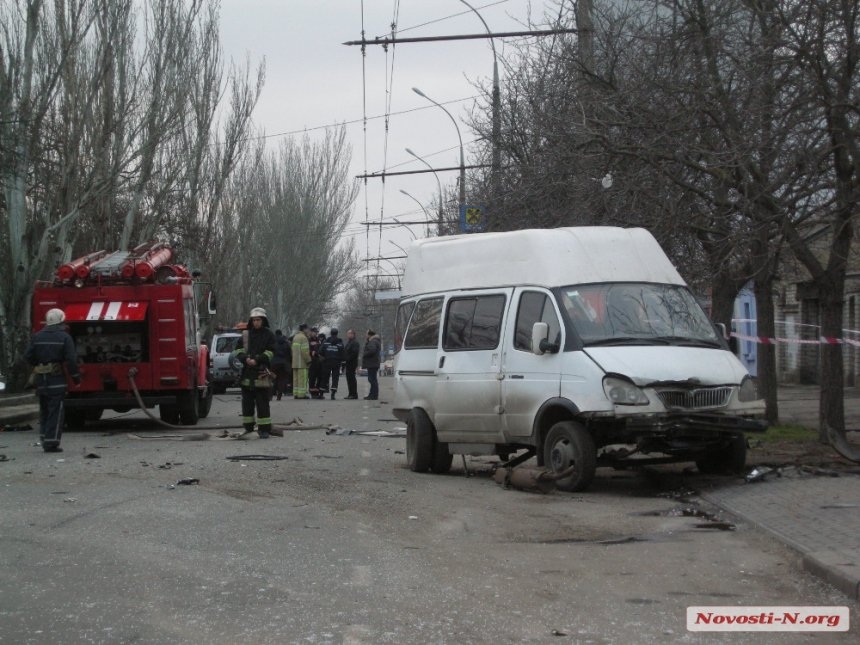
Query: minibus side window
point(534, 307)
point(473, 323)
point(423, 329)
point(404, 311)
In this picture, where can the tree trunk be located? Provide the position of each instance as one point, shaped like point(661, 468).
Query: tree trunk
point(831, 413)
point(767, 386)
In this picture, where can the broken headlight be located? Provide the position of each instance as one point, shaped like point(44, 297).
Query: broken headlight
point(622, 392)
point(748, 390)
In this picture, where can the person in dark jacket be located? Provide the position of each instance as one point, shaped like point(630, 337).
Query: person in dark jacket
point(370, 361)
point(50, 350)
point(255, 351)
point(280, 364)
point(332, 353)
point(351, 351)
point(315, 366)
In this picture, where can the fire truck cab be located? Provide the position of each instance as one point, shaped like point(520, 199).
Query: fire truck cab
point(135, 321)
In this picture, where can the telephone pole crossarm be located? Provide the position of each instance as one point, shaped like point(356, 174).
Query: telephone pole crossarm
point(430, 39)
point(384, 174)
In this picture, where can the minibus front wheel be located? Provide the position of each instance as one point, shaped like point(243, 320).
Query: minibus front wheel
point(569, 448)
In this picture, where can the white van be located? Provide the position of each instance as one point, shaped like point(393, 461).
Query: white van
point(582, 345)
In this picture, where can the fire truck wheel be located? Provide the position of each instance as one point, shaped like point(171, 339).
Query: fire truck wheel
point(206, 403)
point(75, 418)
point(168, 413)
point(189, 407)
point(94, 414)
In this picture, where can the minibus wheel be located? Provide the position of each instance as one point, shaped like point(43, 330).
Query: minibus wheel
point(419, 441)
point(569, 446)
point(441, 462)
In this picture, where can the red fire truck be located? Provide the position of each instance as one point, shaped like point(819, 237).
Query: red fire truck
point(134, 318)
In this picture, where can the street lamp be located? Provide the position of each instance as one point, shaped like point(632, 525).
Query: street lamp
point(462, 160)
point(426, 214)
point(438, 183)
point(496, 136)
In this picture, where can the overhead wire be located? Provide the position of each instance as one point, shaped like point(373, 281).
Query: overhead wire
point(364, 117)
point(389, 84)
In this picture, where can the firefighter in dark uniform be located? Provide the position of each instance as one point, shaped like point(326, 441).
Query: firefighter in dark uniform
point(315, 367)
point(50, 350)
point(255, 351)
point(332, 353)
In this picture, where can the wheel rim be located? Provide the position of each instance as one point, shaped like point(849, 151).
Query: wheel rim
point(562, 456)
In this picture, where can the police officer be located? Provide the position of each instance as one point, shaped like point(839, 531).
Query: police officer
point(332, 353)
point(49, 351)
point(255, 351)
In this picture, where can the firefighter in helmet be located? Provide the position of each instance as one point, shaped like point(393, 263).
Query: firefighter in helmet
point(255, 351)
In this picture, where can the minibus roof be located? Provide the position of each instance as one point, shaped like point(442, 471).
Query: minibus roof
point(541, 257)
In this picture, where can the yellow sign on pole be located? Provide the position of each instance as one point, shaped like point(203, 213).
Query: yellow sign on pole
point(472, 219)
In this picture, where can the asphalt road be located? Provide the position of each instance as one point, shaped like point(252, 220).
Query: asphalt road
point(341, 543)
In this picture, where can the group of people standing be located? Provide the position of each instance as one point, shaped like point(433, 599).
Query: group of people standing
point(317, 360)
point(312, 359)
point(268, 361)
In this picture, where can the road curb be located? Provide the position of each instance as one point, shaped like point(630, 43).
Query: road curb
point(835, 568)
point(832, 566)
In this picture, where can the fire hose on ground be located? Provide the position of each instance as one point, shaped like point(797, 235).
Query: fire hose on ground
point(280, 428)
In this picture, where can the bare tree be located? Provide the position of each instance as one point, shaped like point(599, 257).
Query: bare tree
point(108, 134)
point(288, 210)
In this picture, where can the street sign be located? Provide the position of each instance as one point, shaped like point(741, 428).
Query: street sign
point(473, 219)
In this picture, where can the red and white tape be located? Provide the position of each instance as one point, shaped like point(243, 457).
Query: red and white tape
point(821, 340)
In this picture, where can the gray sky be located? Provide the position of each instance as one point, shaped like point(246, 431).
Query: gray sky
point(313, 80)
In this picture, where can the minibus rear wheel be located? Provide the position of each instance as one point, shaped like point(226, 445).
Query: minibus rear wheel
point(569, 445)
point(420, 437)
point(442, 458)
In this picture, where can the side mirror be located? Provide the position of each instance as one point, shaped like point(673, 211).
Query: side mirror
point(211, 303)
point(540, 331)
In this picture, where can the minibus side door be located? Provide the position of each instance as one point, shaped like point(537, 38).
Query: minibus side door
point(468, 390)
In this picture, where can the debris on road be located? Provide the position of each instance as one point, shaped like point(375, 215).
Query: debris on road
point(759, 473)
point(528, 478)
point(92, 455)
point(396, 432)
point(187, 481)
point(257, 457)
point(191, 436)
point(22, 428)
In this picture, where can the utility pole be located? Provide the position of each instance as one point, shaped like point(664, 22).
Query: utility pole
point(496, 92)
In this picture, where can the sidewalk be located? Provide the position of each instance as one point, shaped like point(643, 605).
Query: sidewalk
point(818, 516)
point(18, 409)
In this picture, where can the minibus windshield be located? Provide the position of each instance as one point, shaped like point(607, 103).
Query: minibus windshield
point(636, 313)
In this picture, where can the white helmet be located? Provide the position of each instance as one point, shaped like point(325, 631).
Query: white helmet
point(258, 312)
point(54, 317)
